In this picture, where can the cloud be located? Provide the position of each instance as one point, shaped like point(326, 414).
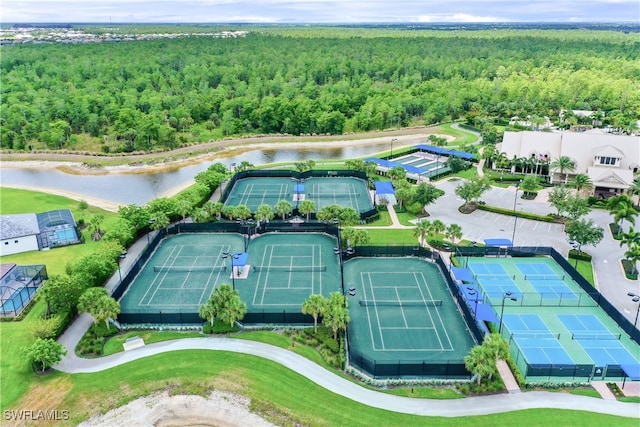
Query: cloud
point(318, 10)
point(460, 17)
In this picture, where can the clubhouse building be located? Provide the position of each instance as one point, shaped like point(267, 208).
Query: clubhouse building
point(609, 160)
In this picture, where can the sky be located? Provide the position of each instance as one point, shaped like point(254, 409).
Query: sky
point(317, 11)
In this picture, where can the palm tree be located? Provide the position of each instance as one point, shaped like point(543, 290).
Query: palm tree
point(336, 315)
point(94, 227)
point(201, 215)
point(438, 228)
point(634, 190)
point(242, 212)
point(622, 209)
point(582, 181)
point(184, 208)
point(315, 305)
point(564, 164)
point(264, 213)
point(283, 208)
point(454, 233)
point(208, 310)
point(422, 230)
point(306, 207)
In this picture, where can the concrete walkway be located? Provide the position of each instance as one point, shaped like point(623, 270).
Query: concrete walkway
point(602, 388)
point(509, 380)
point(445, 408)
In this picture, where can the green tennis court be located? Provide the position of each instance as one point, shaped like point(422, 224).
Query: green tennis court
point(323, 191)
point(182, 273)
point(281, 271)
point(285, 268)
point(401, 309)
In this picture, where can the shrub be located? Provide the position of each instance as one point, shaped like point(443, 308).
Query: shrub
point(628, 270)
point(100, 330)
point(520, 214)
point(219, 327)
point(615, 230)
point(579, 255)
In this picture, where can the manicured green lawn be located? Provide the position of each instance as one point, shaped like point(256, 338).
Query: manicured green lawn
point(462, 136)
point(114, 344)
point(393, 236)
point(278, 393)
point(385, 220)
point(585, 269)
point(405, 217)
point(16, 374)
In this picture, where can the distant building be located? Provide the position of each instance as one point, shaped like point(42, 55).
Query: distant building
point(609, 160)
point(31, 232)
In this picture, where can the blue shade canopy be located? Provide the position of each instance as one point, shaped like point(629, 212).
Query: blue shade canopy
point(445, 151)
point(384, 187)
point(485, 312)
point(498, 242)
point(463, 274)
point(632, 371)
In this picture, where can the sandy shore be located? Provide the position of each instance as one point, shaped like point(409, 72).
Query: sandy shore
point(402, 139)
point(223, 149)
point(219, 409)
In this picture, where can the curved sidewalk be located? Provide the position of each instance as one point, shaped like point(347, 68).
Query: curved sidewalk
point(445, 408)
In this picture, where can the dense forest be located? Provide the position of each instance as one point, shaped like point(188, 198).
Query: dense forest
point(143, 95)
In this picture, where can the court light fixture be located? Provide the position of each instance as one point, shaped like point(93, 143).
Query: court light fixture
point(507, 295)
point(635, 298)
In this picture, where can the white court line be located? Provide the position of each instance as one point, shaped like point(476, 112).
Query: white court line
point(159, 276)
point(436, 310)
point(211, 281)
point(417, 328)
point(364, 294)
point(406, 325)
point(153, 296)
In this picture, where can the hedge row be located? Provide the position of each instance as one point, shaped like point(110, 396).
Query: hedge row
point(520, 214)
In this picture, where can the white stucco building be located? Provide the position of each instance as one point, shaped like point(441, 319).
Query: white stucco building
point(18, 233)
point(609, 160)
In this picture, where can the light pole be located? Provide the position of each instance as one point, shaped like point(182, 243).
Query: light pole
point(150, 223)
point(575, 246)
point(392, 139)
point(247, 223)
point(515, 220)
point(504, 297)
point(635, 298)
point(226, 255)
point(122, 256)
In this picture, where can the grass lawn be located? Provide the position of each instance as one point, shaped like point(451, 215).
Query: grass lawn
point(393, 236)
point(585, 269)
point(16, 375)
point(114, 343)
point(385, 220)
point(405, 217)
point(462, 136)
point(280, 394)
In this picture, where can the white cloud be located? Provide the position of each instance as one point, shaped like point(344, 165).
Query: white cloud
point(459, 17)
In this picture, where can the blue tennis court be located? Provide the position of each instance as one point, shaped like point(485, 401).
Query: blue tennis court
point(602, 346)
point(495, 281)
point(538, 344)
point(546, 282)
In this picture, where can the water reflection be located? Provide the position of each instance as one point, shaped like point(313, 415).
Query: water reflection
point(138, 189)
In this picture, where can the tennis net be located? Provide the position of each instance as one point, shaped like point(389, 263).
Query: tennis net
point(186, 269)
point(543, 277)
point(535, 335)
point(292, 268)
point(263, 195)
point(396, 303)
point(595, 337)
point(333, 195)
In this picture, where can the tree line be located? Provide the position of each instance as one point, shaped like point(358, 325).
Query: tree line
point(148, 95)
